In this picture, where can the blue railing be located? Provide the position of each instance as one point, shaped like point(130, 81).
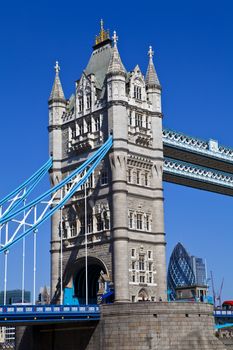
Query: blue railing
point(11, 314)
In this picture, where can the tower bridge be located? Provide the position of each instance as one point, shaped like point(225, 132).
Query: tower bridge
point(109, 158)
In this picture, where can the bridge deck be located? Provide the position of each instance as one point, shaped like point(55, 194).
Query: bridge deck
point(197, 163)
point(29, 314)
point(223, 313)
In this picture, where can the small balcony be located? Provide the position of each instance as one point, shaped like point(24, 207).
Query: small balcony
point(85, 142)
point(140, 135)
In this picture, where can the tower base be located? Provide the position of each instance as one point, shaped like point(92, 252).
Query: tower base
point(134, 326)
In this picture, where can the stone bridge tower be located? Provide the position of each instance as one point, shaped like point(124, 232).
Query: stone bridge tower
point(125, 225)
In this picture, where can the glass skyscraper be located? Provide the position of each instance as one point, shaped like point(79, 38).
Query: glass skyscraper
point(199, 270)
point(180, 272)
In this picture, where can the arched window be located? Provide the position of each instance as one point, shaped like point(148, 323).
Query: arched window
point(137, 92)
point(88, 101)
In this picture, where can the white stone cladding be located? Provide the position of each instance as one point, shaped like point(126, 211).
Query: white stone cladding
point(127, 184)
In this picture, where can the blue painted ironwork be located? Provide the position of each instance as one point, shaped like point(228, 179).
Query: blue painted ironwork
point(196, 172)
point(208, 148)
point(223, 313)
point(17, 196)
point(222, 326)
point(13, 314)
point(76, 179)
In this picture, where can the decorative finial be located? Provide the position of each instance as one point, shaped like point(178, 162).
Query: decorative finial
point(101, 25)
point(103, 35)
point(115, 38)
point(57, 68)
point(150, 52)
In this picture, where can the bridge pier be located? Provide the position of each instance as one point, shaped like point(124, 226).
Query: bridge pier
point(132, 326)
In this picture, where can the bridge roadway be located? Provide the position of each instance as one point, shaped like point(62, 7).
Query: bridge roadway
point(197, 163)
point(29, 314)
point(17, 315)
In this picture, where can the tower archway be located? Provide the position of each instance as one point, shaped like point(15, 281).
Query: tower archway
point(143, 295)
point(96, 268)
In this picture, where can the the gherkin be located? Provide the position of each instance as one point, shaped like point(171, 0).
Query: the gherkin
point(180, 272)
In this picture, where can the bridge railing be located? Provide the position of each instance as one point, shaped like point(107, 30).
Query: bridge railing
point(48, 309)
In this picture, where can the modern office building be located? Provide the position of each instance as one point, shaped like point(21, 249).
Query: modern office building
point(180, 272)
point(185, 270)
point(15, 297)
point(199, 270)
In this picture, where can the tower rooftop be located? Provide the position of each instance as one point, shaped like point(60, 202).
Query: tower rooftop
point(100, 58)
point(57, 91)
point(151, 75)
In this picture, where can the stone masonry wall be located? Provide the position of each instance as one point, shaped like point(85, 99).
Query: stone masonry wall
point(132, 326)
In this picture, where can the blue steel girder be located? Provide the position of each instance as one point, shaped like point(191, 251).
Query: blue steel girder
point(18, 197)
point(197, 163)
point(19, 223)
point(208, 154)
point(193, 175)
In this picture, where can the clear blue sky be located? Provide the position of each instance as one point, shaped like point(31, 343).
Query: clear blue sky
point(193, 48)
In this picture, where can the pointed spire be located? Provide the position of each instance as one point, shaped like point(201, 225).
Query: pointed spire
point(151, 75)
point(116, 65)
point(57, 91)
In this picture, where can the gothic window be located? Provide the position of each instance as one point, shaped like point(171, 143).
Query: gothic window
point(130, 220)
point(73, 133)
point(147, 222)
point(137, 92)
point(106, 223)
point(149, 254)
point(139, 221)
point(82, 225)
point(150, 266)
point(129, 175)
point(97, 123)
point(146, 179)
point(99, 223)
point(147, 122)
point(150, 278)
point(138, 120)
point(80, 103)
point(133, 253)
point(130, 118)
point(133, 265)
point(88, 101)
point(73, 229)
point(81, 128)
point(142, 279)
point(104, 177)
point(89, 126)
point(133, 280)
point(89, 223)
point(141, 263)
point(138, 177)
point(90, 181)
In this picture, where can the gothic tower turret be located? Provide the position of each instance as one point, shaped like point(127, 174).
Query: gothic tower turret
point(118, 124)
point(57, 107)
point(153, 86)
